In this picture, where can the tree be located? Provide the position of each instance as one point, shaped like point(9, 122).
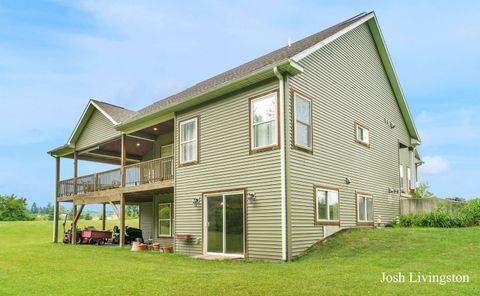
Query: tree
point(34, 208)
point(422, 191)
point(13, 208)
point(88, 216)
point(131, 211)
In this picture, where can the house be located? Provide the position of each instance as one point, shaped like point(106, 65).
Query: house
point(263, 160)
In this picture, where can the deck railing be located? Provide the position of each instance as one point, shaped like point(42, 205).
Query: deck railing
point(146, 172)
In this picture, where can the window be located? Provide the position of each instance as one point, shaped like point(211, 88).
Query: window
point(362, 134)
point(166, 150)
point(303, 122)
point(264, 129)
point(188, 141)
point(165, 219)
point(401, 176)
point(326, 204)
point(409, 178)
point(365, 208)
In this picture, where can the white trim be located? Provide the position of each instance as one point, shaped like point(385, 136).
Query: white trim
point(104, 113)
point(90, 103)
point(195, 140)
point(274, 120)
point(295, 96)
point(329, 39)
point(328, 204)
point(283, 181)
point(359, 195)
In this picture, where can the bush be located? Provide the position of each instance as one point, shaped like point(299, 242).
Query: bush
point(446, 215)
point(13, 208)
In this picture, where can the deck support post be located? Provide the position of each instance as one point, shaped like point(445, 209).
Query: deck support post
point(123, 159)
point(75, 171)
point(104, 218)
point(74, 224)
point(122, 220)
point(56, 203)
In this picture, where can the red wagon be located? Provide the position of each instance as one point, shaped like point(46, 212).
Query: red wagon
point(92, 236)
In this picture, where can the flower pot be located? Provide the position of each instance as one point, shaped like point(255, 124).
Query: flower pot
point(168, 249)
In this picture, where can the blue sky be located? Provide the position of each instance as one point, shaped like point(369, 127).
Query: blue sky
point(56, 55)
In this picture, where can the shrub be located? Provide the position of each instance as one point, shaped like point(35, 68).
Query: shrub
point(446, 215)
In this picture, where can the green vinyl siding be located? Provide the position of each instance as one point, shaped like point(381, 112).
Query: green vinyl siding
point(225, 163)
point(149, 219)
point(347, 83)
point(97, 130)
point(165, 139)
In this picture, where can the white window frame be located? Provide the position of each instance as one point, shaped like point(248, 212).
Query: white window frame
point(310, 126)
point(169, 219)
point(409, 178)
point(357, 135)
point(195, 140)
point(317, 189)
point(402, 179)
point(252, 124)
point(366, 196)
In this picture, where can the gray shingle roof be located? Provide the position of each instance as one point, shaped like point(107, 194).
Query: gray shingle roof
point(119, 114)
point(245, 69)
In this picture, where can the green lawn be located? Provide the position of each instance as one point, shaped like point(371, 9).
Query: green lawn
point(350, 263)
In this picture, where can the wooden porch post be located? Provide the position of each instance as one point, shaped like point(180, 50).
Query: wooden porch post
point(122, 220)
point(123, 159)
point(74, 224)
point(56, 204)
point(104, 212)
point(75, 171)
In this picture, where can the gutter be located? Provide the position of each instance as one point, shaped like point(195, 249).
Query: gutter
point(282, 163)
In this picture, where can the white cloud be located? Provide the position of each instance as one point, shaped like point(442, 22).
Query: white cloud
point(434, 164)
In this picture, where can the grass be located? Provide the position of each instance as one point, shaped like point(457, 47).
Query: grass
point(350, 263)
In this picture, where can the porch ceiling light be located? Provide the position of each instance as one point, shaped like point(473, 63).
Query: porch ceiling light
point(138, 144)
point(196, 201)
point(251, 197)
point(155, 128)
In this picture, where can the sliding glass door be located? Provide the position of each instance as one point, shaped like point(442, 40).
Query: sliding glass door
point(224, 223)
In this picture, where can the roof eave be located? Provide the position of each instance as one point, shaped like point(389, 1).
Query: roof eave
point(157, 116)
point(62, 150)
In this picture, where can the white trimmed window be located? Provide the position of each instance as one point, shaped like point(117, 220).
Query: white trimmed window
point(164, 219)
point(362, 134)
point(401, 176)
point(264, 129)
point(303, 122)
point(188, 141)
point(365, 208)
point(326, 204)
point(409, 178)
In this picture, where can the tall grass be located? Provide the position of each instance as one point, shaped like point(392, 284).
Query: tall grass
point(446, 216)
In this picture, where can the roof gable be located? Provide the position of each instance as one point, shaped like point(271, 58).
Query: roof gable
point(114, 115)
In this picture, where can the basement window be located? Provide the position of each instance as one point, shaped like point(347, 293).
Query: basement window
point(326, 205)
point(365, 208)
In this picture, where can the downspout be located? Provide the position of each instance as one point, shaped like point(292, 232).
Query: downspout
point(282, 163)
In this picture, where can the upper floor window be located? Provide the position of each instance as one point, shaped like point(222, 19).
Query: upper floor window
point(303, 122)
point(188, 141)
point(326, 204)
point(362, 134)
point(264, 121)
point(365, 208)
